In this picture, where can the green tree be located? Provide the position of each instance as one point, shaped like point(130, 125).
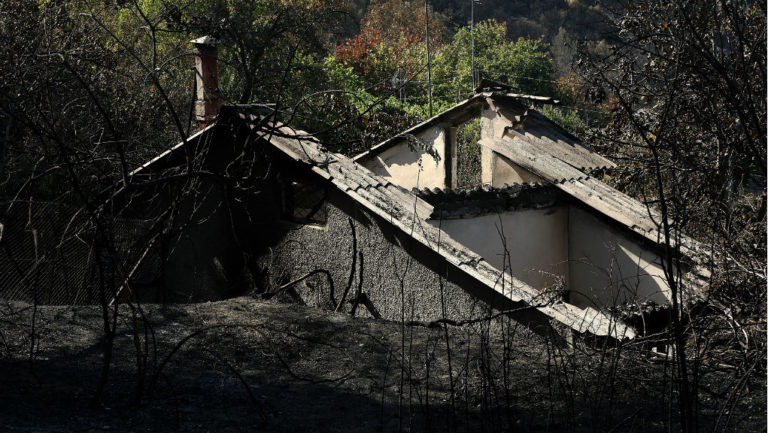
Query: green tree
point(523, 64)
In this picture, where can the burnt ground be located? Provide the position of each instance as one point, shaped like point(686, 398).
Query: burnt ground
point(253, 365)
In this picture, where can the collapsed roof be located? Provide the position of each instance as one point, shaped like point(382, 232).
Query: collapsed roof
point(406, 212)
point(557, 159)
point(539, 132)
point(519, 144)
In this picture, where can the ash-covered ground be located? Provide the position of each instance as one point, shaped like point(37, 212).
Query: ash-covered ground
point(246, 365)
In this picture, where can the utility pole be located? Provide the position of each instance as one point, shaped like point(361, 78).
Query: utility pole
point(429, 58)
point(472, 36)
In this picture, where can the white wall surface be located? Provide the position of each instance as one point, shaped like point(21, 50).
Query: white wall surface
point(400, 164)
point(607, 267)
point(537, 241)
point(507, 172)
point(491, 127)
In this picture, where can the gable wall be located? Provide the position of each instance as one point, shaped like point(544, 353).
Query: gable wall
point(409, 167)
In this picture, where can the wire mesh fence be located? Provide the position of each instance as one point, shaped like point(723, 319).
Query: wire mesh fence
point(48, 254)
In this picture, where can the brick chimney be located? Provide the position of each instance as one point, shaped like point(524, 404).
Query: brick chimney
point(207, 78)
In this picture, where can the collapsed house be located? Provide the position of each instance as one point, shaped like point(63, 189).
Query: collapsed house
point(390, 234)
point(385, 235)
point(603, 245)
point(375, 248)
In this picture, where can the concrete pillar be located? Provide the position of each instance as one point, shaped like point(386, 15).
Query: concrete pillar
point(491, 128)
point(450, 157)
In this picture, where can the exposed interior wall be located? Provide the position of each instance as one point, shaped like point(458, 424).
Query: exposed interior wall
point(409, 167)
point(608, 268)
point(536, 241)
point(504, 171)
point(400, 163)
point(498, 170)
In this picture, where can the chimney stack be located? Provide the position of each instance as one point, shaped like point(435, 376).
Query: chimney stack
point(207, 80)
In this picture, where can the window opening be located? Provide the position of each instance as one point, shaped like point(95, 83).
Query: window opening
point(304, 202)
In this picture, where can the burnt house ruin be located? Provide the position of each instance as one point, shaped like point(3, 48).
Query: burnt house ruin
point(390, 233)
point(542, 238)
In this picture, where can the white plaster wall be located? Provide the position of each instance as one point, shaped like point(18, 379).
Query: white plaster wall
point(400, 163)
point(507, 172)
point(537, 241)
point(496, 169)
point(607, 268)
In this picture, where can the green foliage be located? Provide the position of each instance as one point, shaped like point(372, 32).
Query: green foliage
point(339, 75)
point(570, 119)
point(468, 165)
point(369, 59)
point(392, 40)
point(523, 64)
point(421, 111)
point(583, 19)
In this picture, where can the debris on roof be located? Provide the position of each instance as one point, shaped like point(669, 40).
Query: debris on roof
point(480, 200)
point(486, 85)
